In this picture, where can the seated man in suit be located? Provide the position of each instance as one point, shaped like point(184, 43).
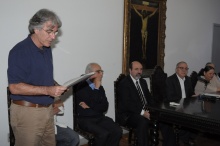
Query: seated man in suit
point(64, 135)
point(179, 87)
point(92, 104)
point(133, 99)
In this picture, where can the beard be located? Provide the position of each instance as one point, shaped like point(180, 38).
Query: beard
point(138, 76)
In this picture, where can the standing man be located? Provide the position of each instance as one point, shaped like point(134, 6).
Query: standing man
point(179, 87)
point(31, 82)
point(92, 104)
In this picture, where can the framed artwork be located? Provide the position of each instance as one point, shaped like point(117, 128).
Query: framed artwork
point(144, 34)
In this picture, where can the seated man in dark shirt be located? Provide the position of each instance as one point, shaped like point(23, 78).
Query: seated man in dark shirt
point(92, 104)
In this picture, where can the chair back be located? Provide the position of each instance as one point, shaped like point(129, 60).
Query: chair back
point(11, 134)
point(87, 135)
point(116, 84)
point(131, 136)
point(194, 79)
point(158, 84)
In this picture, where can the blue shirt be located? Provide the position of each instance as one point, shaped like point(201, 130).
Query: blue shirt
point(91, 84)
point(31, 65)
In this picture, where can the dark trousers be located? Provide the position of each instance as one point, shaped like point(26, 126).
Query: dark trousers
point(186, 134)
point(141, 125)
point(169, 137)
point(106, 131)
point(66, 137)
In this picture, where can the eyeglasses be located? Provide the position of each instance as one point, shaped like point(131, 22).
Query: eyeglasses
point(50, 32)
point(183, 68)
point(99, 71)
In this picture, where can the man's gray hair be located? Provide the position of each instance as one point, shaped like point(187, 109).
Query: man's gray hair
point(89, 67)
point(177, 65)
point(42, 16)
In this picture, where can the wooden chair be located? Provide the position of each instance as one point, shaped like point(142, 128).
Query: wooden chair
point(194, 79)
point(158, 84)
point(11, 134)
point(87, 135)
point(158, 91)
point(200, 73)
point(131, 130)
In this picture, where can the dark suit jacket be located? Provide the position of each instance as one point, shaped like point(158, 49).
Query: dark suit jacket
point(128, 99)
point(173, 88)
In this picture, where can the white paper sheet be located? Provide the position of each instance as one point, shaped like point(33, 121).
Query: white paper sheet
point(217, 95)
point(174, 104)
point(78, 79)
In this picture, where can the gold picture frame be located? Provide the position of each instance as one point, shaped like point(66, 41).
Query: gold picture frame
point(144, 34)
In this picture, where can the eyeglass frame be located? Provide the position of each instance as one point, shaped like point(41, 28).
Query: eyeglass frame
point(50, 32)
point(183, 68)
point(99, 71)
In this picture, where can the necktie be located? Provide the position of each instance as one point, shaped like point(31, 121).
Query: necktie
point(143, 100)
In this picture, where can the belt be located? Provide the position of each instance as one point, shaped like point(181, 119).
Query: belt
point(29, 104)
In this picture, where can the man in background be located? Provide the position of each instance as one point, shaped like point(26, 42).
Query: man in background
point(92, 104)
point(179, 87)
point(134, 97)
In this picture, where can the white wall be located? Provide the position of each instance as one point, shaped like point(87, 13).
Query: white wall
point(189, 32)
point(92, 31)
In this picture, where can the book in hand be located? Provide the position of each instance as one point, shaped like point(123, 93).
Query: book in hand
point(78, 79)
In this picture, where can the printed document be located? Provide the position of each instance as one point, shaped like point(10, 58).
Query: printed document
point(78, 79)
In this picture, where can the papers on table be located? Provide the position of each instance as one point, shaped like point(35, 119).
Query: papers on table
point(174, 104)
point(217, 95)
point(78, 79)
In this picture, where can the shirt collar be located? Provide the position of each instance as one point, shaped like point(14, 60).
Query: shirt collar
point(180, 78)
point(134, 80)
point(91, 84)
